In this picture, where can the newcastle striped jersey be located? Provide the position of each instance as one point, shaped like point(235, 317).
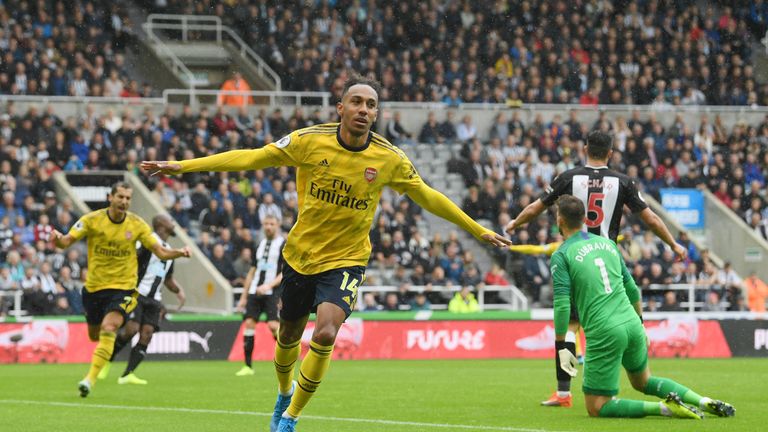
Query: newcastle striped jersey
point(604, 193)
point(152, 271)
point(268, 261)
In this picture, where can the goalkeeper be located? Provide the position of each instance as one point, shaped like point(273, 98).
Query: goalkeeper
point(562, 396)
point(590, 269)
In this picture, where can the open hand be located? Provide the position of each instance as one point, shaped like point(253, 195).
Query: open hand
point(497, 240)
point(161, 167)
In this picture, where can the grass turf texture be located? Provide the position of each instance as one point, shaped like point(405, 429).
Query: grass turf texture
point(476, 394)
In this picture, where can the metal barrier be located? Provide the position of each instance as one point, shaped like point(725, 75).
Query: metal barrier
point(692, 289)
point(17, 312)
point(272, 98)
point(196, 23)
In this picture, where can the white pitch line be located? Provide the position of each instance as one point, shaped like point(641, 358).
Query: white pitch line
point(260, 414)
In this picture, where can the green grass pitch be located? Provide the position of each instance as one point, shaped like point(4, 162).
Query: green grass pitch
point(480, 395)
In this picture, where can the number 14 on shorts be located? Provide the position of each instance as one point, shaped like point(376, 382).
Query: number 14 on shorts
point(351, 286)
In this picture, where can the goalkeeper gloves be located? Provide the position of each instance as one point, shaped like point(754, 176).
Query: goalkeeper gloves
point(568, 362)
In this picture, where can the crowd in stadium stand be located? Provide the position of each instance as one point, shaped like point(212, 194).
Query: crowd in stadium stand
point(659, 53)
point(50, 48)
point(223, 211)
point(510, 171)
point(630, 52)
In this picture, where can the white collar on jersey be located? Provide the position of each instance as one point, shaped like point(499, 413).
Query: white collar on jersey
point(594, 167)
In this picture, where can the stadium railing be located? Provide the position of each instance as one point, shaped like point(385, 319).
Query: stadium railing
point(177, 66)
point(16, 295)
point(691, 304)
point(261, 97)
point(198, 24)
point(414, 115)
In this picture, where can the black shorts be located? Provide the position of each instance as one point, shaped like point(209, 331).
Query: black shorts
point(147, 312)
point(302, 293)
point(98, 304)
point(261, 303)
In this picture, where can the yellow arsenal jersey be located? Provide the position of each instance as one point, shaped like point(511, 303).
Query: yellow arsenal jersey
point(338, 186)
point(112, 262)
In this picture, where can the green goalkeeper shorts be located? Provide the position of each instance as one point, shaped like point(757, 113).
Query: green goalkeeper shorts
point(609, 350)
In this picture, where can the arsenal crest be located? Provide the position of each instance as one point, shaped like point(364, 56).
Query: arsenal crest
point(370, 174)
point(128, 235)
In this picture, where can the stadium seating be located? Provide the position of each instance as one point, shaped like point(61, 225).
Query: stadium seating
point(36, 143)
point(52, 50)
point(516, 52)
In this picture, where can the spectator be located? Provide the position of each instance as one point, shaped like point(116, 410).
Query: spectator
point(392, 302)
point(713, 303)
point(464, 302)
point(235, 84)
point(430, 132)
point(670, 303)
point(370, 304)
point(223, 263)
point(466, 131)
point(731, 283)
point(420, 302)
point(447, 129)
point(757, 292)
point(396, 133)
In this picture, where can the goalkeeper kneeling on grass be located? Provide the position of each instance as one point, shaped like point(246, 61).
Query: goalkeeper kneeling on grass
point(590, 269)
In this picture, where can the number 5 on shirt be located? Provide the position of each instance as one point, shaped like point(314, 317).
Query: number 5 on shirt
point(594, 208)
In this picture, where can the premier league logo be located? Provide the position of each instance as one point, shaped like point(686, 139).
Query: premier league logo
point(370, 174)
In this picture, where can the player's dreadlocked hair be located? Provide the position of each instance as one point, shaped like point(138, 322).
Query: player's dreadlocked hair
point(571, 209)
point(355, 79)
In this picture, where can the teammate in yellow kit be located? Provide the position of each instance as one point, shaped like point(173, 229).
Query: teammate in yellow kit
point(341, 171)
point(110, 288)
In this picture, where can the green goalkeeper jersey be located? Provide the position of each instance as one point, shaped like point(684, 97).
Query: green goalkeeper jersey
point(589, 271)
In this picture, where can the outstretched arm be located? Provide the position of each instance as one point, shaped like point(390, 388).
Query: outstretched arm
point(530, 212)
point(526, 249)
point(235, 160)
point(438, 204)
point(658, 227)
point(170, 254)
point(62, 241)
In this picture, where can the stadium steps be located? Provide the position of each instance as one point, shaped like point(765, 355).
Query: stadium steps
point(209, 62)
point(431, 160)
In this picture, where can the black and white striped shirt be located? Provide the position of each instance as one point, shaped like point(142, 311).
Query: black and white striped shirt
point(268, 261)
point(604, 193)
point(152, 271)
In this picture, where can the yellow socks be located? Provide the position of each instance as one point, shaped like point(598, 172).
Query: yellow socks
point(313, 368)
point(101, 354)
point(285, 359)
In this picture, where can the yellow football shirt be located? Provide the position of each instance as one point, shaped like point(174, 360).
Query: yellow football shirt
point(338, 187)
point(112, 262)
